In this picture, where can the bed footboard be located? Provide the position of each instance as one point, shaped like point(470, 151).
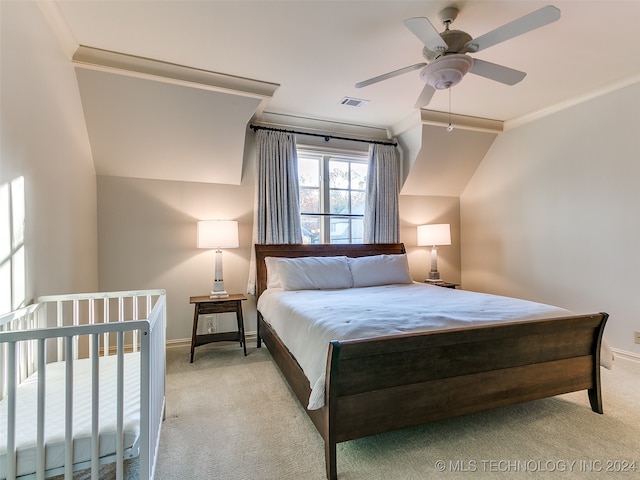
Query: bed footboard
point(74, 332)
point(379, 385)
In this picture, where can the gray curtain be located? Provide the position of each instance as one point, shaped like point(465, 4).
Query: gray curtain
point(277, 206)
point(381, 216)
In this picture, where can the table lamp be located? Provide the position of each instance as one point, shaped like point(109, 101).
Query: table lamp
point(218, 234)
point(434, 235)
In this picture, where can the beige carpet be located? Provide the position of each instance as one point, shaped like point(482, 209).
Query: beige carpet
point(233, 417)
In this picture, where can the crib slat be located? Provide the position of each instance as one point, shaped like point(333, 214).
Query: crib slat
point(11, 411)
point(3, 369)
point(146, 386)
point(106, 319)
point(95, 405)
point(135, 317)
point(120, 408)
point(22, 354)
point(120, 309)
point(92, 318)
point(42, 390)
point(30, 323)
point(76, 321)
point(68, 414)
point(148, 311)
point(59, 323)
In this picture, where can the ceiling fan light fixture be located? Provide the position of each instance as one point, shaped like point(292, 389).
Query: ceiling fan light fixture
point(447, 71)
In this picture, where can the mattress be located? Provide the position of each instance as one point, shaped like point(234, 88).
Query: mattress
point(307, 320)
point(26, 424)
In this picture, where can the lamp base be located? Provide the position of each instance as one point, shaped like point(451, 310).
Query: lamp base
point(434, 280)
point(220, 294)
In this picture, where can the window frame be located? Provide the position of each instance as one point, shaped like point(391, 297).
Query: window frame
point(325, 156)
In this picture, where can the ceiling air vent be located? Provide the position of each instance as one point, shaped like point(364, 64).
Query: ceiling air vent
point(353, 102)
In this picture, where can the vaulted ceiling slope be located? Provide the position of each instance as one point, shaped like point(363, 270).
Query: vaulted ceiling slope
point(297, 60)
point(148, 119)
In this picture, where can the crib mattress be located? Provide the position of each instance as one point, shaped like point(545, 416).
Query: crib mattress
point(26, 425)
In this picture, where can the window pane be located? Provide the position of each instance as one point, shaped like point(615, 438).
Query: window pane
point(357, 230)
point(309, 172)
point(338, 174)
point(357, 202)
point(339, 201)
point(340, 231)
point(358, 176)
point(332, 184)
point(310, 229)
point(309, 200)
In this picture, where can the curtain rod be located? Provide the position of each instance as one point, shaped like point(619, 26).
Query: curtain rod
point(326, 137)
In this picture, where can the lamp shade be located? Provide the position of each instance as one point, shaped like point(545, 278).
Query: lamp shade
point(218, 234)
point(436, 234)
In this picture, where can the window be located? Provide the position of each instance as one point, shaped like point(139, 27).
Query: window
point(332, 195)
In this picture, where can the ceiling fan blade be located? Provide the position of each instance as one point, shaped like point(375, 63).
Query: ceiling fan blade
point(385, 76)
point(525, 24)
point(422, 28)
point(496, 72)
point(425, 96)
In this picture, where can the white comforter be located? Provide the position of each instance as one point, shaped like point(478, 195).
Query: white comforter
point(306, 320)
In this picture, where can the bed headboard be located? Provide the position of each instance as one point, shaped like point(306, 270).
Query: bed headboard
point(321, 250)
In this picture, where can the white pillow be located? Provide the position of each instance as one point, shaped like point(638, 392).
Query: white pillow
point(273, 279)
point(380, 270)
point(314, 273)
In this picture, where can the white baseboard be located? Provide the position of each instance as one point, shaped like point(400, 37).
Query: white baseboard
point(180, 342)
point(186, 342)
point(631, 356)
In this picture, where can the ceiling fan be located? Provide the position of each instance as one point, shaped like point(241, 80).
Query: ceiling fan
point(446, 52)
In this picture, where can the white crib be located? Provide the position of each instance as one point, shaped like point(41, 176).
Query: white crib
point(82, 384)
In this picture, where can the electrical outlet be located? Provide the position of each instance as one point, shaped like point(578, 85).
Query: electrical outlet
point(210, 324)
point(637, 337)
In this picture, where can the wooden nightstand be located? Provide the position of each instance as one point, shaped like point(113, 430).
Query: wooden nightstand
point(444, 284)
point(206, 306)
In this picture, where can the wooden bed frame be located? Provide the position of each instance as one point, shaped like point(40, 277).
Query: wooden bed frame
point(382, 384)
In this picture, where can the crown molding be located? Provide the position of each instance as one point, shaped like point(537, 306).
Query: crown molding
point(461, 122)
point(87, 57)
point(58, 24)
point(531, 117)
point(141, 67)
point(442, 119)
point(314, 125)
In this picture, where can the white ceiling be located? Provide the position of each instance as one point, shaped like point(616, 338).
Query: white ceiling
point(310, 54)
point(317, 50)
point(180, 123)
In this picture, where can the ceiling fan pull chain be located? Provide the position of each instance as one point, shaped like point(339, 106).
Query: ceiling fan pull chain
point(449, 127)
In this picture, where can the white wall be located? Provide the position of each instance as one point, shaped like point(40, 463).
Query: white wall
point(421, 210)
point(551, 214)
point(43, 140)
point(147, 239)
